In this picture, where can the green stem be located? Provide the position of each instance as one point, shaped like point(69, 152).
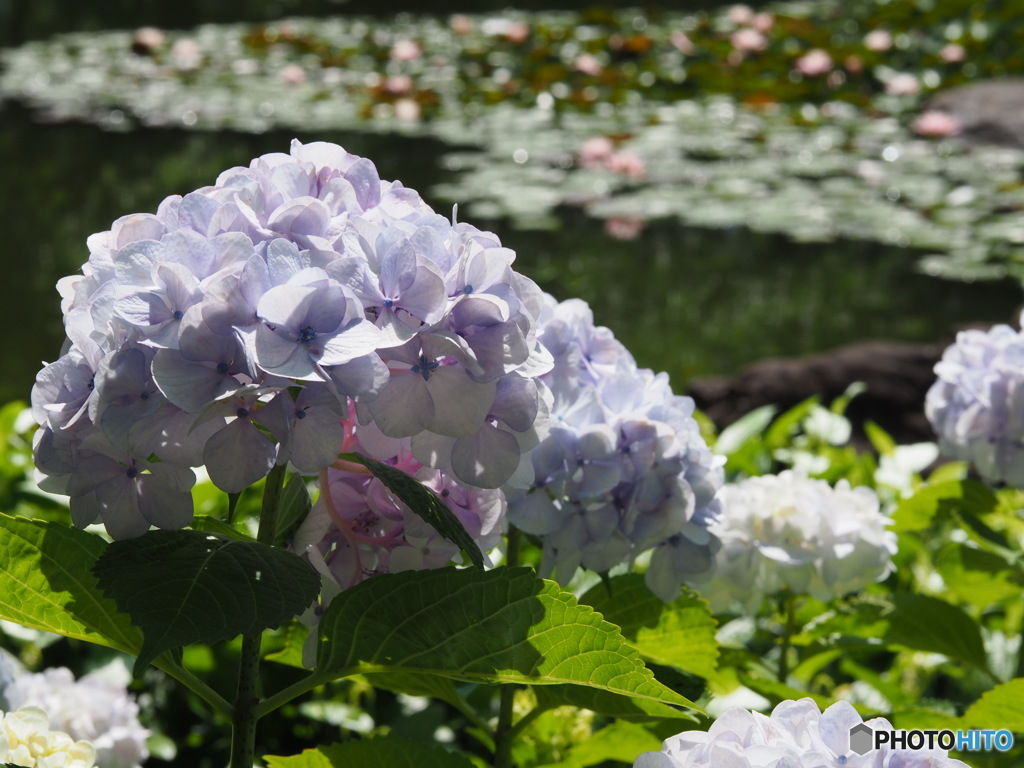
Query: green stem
point(197, 686)
point(243, 723)
point(787, 636)
point(503, 732)
point(247, 700)
point(285, 695)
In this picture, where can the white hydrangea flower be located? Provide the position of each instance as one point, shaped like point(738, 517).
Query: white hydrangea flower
point(26, 740)
point(796, 735)
point(96, 708)
point(790, 532)
point(977, 404)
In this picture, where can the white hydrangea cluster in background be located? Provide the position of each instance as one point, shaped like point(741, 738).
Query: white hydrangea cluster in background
point(26, 740)
point(977, 404)
point(796, 735)
point(96, 709)
point(790, 532)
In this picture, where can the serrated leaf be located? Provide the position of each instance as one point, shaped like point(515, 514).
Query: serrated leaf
point(618, 741)
point(383, 752)
point(504, 626)
point(918, 512)
point(422, 501)
point(678, 634)
point(1000, 708)
point(46, 583)
point(926, 623)
point(183, 587)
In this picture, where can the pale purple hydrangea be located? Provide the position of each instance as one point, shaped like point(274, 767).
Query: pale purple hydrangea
point(623, 468)
point(788, 532)
point(797, 734)
point(96, 708)
point(235, 327)
point(977, 404)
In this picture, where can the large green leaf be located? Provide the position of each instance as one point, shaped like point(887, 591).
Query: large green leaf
point(502, 626)
point(183, 587)
point(678, 634)
point(926, 623)
point(46, 583)
point(383, 752)
point(1000, 708)
point(918, 512)
point(422, 501)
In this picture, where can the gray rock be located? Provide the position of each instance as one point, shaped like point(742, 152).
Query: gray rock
point(991, 112)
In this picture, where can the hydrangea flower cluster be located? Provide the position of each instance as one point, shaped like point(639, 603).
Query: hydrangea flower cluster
point(96, 709)
point(977, 404)
point(359, 528)
point(623, 469)
point(233, 328)
point(26, 740)
point(796, 735)
point(790, 532)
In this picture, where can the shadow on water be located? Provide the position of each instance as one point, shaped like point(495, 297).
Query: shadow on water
point(689, 301)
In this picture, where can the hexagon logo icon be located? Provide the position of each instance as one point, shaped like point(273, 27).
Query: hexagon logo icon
point(861, 739)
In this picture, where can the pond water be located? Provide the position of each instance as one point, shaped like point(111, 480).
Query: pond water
point(693, 301)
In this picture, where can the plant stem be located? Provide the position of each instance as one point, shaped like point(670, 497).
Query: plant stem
point(285, 695)
point(787, 636)
point(503, 733)
point(197, 686)
point(243, 723)
point(247, 701)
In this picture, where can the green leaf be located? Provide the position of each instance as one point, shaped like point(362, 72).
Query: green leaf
point(424, 503)
point(183, 587)
point(618, 741)
point(285, 646)
point(214, 525)
point(918, 512)
point(1002, 707)
point(293, 506)
point(744, 429)
point(782, 431)
point(609, 704)
point(679, 634)
point(926, 623)
point(383, 752)
point(880, 439)
point(46, 583)
point(501, 626)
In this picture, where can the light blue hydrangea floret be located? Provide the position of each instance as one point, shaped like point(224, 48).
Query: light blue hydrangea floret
point(623, 469)
point(234, 328)
point(977, 404)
